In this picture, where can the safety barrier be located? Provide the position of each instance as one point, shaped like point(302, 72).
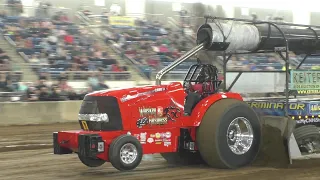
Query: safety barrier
point(24, 113)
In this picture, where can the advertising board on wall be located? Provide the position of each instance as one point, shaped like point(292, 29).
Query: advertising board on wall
point(121, 22)
point(305, 80)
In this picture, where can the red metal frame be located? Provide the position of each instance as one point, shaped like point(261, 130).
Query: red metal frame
point(157, 97)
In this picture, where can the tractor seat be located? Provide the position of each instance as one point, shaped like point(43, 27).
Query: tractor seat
point(203, 87)
point(197, 88)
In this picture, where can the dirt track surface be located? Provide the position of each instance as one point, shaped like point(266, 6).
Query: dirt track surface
point(27, 159)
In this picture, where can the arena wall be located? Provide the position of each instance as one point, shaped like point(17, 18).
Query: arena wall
point(24, 113)
point(247, 83)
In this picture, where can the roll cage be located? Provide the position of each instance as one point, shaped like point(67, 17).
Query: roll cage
point(204, 74)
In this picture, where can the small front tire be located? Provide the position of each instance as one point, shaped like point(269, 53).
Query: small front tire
point(125, 153)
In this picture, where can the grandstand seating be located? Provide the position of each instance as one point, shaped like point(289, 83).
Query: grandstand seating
point(150, 47)
point(33, 39)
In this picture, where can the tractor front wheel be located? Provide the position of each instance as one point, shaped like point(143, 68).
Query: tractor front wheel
point(125, 153)
point(229, 135)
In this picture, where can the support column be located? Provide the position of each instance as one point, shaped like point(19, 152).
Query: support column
point(301, 16)
point(136, 8)
point(228, 11)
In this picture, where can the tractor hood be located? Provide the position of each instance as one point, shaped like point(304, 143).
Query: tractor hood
point(101, 110)
point(130, 94)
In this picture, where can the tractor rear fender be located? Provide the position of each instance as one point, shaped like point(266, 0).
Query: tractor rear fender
point(201, 108)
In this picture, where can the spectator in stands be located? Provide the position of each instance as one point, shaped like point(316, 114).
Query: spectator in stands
point(42, 84)
point(115, 68)
point(68, 39)
point(32, 94)
point(3, 81)
point(64, 18)
point(61, 52)
point(3, 55)
point(43, 59)
point(52, 39)
point(76, 52)
point(102, 85)
point(34, 59)
point(44, 76)
point(28, 43)
point(44, 94)
point(22, 87)
point(55, 95)
point(45, 44)
point(63, 85)
point(10, 87)
point(4, 65)
point(3, 14)
point(93, 81)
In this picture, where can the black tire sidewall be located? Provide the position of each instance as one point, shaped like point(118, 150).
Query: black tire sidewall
point(306, 132)
point(114, 152)
point(227, 156)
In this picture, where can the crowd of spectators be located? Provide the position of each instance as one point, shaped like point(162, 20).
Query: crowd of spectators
point(55, 48)
point(149, 45)
point(48, 90)
point(58, 44)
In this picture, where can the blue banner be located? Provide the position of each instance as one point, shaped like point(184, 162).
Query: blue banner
point(273, 108)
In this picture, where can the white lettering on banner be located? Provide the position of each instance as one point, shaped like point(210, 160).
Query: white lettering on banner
point(308, 121)
point(147, 111)
point(129, 97)
point(158, 121)
point(159, 89)
point(315, 107)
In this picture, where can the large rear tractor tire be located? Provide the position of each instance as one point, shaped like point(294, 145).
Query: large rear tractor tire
point(305, 136)
point(183, 158)
point(229, 135)
point(306, 133)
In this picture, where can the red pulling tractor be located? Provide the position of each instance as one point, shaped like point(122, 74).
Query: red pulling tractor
point(191, 122)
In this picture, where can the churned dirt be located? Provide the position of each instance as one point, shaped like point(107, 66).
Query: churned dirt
point(23, 157)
